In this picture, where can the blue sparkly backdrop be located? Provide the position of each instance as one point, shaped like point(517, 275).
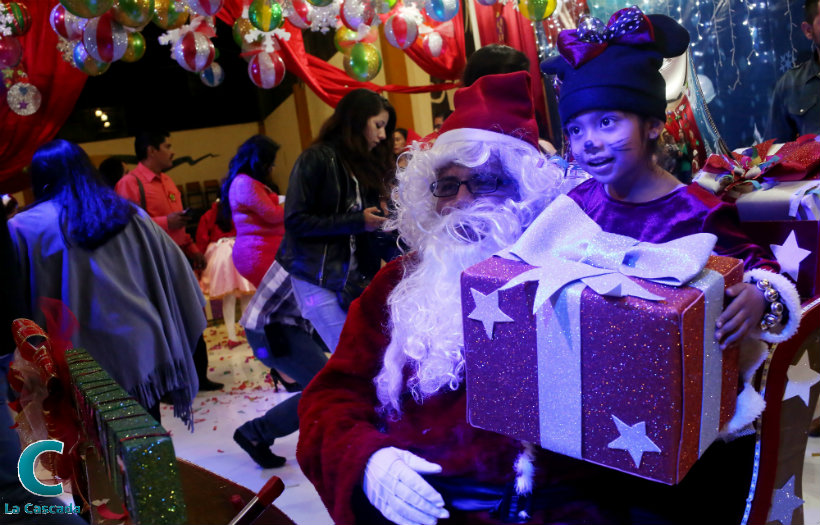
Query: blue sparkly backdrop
point(741, 46)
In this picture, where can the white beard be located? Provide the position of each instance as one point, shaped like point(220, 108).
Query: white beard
point(425, 307)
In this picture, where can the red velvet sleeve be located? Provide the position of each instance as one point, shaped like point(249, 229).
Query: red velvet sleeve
point(724, 221)
point(204, 228)
point(338, 429)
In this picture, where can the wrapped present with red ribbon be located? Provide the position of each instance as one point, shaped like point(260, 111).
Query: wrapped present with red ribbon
point(776, 189)
point(601, 347)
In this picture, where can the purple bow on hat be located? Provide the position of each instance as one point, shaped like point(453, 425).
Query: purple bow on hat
point(627, 26)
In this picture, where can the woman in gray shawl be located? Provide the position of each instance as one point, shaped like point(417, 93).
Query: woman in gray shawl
point(136, 299)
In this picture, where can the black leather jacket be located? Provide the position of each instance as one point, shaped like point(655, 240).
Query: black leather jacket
point(316, 247)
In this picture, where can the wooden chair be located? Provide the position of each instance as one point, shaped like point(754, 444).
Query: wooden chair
point(196, 198)
point(212, 190)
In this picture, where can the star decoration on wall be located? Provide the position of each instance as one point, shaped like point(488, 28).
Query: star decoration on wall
point(634, 440)
point(790, 255)
point(487, 311)
point(784, 503)
point(801, 379)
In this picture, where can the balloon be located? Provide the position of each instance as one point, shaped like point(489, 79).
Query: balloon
point(434, 44)
point(24, 98)
point(65, 24)
point(87, 64)
point(10, 51)
point(536, 10)
point(265, 15)
point(251, 49)
point(166, 16)
point(135, 49)
point(194, 51)
point(298, 12)
point(212, 75)
point(363, 63)
point(266, 70)
point(486, 2)
point(344, 39)
point(134, 13)
point(355, 13)
point(441, 10)
point(104, 39)
point(401, 31)
point(240, 28)
point(320, 3)
point(21, 20)
point(87, 8)
point(205, 7)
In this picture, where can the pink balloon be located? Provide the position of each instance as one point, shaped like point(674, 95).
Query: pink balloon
point(10, 51)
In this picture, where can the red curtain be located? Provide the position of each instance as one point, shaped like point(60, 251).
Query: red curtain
point(328, 82)
point(505, 25)
point(60, 85)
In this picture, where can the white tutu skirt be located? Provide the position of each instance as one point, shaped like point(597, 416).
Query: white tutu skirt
point(220, 276)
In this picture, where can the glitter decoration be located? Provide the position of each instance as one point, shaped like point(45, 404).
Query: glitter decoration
point(105, 39)
point(205, 7)
point(789, 255)
point(20, 18)
point(487, 311)
point(23, 98)
point(441, 10)
point(212, 75)
point(266, 70)
point(298, 12)
point(87, 8)
point(363, 63)
point(265, 15)
point(66, 49)
point(169, 14)
point(356, 13)
point(325, 16)
point(194, 51)
point(6, 21)
point(401, 30)
point(133, 13)
point(135, 49)
point(66, 24)
point(784, 503)
point(801, 379)
point(633, 439)
point(86, 63)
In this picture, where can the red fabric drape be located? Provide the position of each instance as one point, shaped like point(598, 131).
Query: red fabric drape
point(451, 62)
point(499, 24)
point(328, 82)
point(60, 85)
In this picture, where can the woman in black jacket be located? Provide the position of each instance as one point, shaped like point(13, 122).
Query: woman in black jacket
point(335, 198)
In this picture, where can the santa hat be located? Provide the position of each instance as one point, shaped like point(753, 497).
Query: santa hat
point(616, 66)
point(495, 108)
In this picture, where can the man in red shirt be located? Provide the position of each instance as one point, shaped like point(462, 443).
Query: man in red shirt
point(148, 186)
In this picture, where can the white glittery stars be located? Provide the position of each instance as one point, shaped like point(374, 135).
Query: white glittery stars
point(784, 503)
point(789, 255)
point(487, 311)
point(801, 379)
point(633, 439)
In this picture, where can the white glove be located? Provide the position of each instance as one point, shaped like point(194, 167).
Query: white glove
point(393, 485)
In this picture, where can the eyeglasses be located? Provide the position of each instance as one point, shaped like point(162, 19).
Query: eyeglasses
point(477, 185)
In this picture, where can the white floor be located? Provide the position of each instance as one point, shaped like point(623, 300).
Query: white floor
point(247, 395)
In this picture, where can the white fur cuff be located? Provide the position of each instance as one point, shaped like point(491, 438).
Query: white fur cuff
point(789, 298)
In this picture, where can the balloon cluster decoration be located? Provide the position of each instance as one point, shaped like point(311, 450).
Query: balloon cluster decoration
point(14, 22)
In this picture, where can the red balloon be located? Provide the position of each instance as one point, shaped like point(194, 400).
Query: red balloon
point(10, 51)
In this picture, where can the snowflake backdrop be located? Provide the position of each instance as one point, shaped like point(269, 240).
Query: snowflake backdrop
point(742, 46)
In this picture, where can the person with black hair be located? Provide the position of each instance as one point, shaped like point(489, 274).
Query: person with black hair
point(795, 107)
point(113, 169)
point(334, 201)
point(137, 303)
point(149, 186)
point(493, 59)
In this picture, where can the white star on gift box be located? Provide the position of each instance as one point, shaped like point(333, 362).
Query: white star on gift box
point(487, 311)
point(801, 379)
point(790, 255)
point(634, 440)
point(784, 503)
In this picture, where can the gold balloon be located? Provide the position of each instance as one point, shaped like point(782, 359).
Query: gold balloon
point(86, 63)
point(135, 49)
point(166, 17)
point(536, 10)
point(87, 8)
point(133, 13)
point(363, 63)
point(241, 28)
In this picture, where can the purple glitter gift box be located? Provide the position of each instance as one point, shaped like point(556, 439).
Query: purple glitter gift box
point(644, 393)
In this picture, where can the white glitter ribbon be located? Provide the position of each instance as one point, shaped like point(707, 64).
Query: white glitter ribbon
point(781, 201)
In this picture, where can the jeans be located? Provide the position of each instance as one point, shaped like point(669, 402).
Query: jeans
point(321, 308)
point(301, 360)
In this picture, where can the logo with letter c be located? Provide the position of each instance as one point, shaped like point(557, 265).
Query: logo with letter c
point(25, 468)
